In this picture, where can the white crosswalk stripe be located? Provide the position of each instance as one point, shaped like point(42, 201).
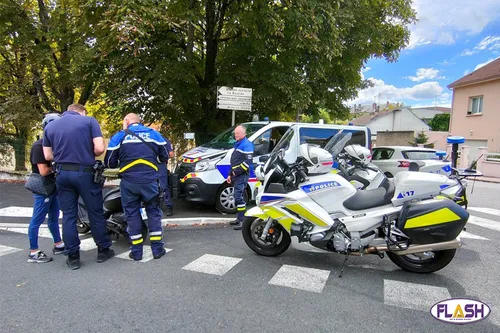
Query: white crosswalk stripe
point(212, 264)
point(485, 223)
point(16, 211)
point(147, 255)
point(308, 279)
point(468, 235)
point(485, 210)
point(413, 296)
point(4, 250)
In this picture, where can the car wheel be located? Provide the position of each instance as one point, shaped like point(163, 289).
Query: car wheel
point(224, 201)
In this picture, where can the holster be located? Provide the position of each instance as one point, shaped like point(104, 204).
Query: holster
point(98, 172)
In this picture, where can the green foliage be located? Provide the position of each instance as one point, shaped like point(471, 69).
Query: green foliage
point(440, 122)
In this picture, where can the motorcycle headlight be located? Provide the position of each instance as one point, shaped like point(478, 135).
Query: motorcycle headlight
point(206, 165)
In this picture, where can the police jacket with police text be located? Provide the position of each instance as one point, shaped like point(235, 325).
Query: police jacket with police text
point(137, 162)
point(241, 159)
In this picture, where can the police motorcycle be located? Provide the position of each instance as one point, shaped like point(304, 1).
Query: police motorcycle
point(417, 231)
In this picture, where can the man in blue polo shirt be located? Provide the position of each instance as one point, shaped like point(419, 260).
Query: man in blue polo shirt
point(139, 151)
point(73, 142)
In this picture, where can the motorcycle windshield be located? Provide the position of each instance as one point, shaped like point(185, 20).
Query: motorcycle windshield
point(337, 143)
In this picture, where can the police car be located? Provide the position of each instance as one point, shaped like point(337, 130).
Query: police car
point(202, 171)
point(394, 159)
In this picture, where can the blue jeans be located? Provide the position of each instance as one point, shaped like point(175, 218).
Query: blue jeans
point(41, 207)
point(132, 196)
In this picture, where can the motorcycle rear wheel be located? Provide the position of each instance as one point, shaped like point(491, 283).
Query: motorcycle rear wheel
point(277, 242)
point(414, 264)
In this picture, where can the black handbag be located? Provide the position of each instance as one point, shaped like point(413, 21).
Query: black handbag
point(39, 184)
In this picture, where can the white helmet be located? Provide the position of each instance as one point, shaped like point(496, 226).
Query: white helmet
point(321, 160)
point(359, 153)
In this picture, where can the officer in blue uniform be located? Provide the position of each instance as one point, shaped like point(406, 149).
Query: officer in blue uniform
point(241, 162)
point(139, 162)
point(73, 142)
point(164, 180)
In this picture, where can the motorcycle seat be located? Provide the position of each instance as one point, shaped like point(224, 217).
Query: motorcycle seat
point(366, 199)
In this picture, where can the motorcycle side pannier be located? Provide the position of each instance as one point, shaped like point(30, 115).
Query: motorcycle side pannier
point(432, 221)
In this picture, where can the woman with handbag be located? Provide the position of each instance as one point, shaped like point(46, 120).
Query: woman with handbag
point(42, 184)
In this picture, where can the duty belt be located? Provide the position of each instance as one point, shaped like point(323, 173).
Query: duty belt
point(76, 167)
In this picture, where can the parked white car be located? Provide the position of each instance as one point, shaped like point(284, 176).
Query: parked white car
point(394, 159)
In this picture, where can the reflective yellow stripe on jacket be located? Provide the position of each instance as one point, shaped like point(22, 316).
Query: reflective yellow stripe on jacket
point(138, 161)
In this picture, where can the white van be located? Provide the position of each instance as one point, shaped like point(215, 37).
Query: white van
point(203, 170)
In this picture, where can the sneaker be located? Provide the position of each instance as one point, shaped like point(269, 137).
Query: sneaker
point(239, 226)
point(159, 255)
point(104, 254)
point(58, 250)
point(39, 257)
point(235, 222)
point(73, 263)
point(131, 256)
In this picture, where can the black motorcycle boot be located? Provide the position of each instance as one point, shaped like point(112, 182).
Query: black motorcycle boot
point(131, 256)
point(73, 261)
point(169, 211)
point(239, 226)
point(104, 254)
point(159, 255)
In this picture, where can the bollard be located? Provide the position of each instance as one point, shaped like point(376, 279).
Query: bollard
point(454, 141)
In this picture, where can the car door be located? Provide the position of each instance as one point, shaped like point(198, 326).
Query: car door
point(382, 157)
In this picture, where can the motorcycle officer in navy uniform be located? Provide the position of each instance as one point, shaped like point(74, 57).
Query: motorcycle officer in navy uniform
point(139, 152)
point(73, 142)
point(241, 162)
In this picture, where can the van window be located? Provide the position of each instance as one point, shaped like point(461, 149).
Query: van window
point(266, 142)
point(321, 136)
point(226, 140)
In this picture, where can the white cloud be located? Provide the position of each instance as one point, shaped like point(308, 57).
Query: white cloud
point(466, 72)
point(425, 74)
point(441, 21)
point(419, 92)
point(485, 63)
point(490, 43)
point(365, 69)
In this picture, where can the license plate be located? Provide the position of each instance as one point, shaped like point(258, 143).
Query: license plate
point(144, 216)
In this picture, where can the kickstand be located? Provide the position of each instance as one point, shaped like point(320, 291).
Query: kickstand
point(343, 265)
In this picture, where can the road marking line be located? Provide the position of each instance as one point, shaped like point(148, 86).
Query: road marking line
point(212, 264)
point(4, 250)
point(413, 296)
point(147, 254)
point(465, 234)
point(303, 278)
point(485, 223)
point(485, 210)
point(42, 232)
point(16, 211)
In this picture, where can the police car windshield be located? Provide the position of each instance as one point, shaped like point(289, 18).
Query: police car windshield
point(226, 140)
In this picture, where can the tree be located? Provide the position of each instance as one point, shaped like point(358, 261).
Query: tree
point(47, 58)
point(166, 59)
point(440, 122)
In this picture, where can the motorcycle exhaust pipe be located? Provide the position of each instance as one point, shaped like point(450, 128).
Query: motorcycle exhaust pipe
point(453, 244)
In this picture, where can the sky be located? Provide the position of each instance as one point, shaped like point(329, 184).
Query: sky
point(450, 40)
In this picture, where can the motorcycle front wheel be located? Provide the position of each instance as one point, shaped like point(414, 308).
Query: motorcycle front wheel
point(277, 241)
point(416, 264)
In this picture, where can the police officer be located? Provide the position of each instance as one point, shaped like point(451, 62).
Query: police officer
point(164, 180)
point(241, 161)
point(73, 142)
point(139, 151)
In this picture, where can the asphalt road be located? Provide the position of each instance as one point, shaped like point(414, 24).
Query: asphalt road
point(212, 282)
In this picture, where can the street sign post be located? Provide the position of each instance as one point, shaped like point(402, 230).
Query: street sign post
point(234, 99)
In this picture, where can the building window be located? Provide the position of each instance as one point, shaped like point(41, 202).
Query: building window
point(475, 105)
